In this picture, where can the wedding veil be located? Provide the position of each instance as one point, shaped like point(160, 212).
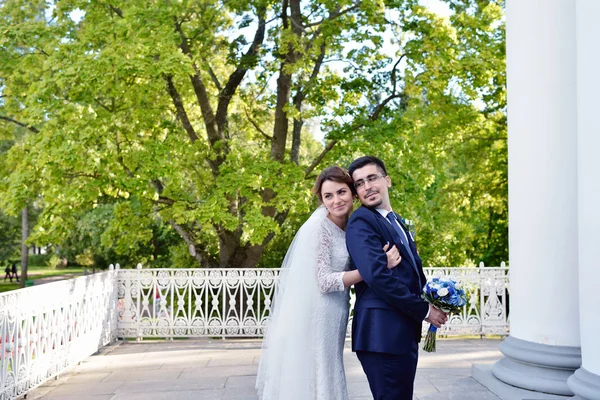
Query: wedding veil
point(287, 367)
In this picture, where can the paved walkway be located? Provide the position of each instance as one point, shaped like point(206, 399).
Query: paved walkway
point(49, 279)
point(226, 370)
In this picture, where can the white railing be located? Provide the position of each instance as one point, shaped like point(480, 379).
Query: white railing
point(48, 328)
point(486, 312)
point(236, 302)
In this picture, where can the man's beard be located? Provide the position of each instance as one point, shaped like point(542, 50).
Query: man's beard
point(373, 205)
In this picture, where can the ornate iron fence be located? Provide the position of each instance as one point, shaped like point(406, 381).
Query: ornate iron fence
point(236, 302)
point(48, 328)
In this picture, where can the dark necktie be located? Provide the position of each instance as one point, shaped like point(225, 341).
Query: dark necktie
point(404, 240)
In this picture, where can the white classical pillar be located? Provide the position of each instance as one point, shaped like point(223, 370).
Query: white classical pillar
point(542, 350)
point(585, 383)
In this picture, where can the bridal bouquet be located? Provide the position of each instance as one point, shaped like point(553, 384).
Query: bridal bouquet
point(444, 294)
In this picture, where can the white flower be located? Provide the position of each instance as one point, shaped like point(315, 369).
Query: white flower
point(442, 292)
point(436, 286)
point(458, 286)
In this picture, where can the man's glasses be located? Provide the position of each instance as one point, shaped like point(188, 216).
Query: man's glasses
point(371, 179)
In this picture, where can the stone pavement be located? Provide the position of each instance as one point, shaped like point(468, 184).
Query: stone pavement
point(226, 370)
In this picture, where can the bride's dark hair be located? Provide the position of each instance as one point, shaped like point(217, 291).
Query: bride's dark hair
point(335, 174)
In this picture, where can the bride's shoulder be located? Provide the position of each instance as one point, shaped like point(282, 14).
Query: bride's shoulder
point(326, 225)
point(329, 228)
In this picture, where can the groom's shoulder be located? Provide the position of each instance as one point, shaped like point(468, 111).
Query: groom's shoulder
point(361, 213)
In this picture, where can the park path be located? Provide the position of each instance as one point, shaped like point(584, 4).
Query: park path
point(226, 370)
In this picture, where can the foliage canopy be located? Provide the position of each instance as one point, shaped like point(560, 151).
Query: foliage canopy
point(187, 125)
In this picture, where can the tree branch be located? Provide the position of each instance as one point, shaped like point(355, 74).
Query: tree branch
point(120, 158)
point(318, 64)
point(14, 121)
point(158, 185)
point(73, 175)
point(382, 105)
point(332, 143)
point(492, 138)
point(214, 78)
point(103, 105)
point(199, 254)
point(116, 10)
point(334, 15)
point(284, 85)
point(200, 90)
point(329, 60)
point(236, 77)
point(296, 140)
point(165, 200)
point(298, 100)
point(284, 16)
point(257, 127)
point(320, 157)
point(181, 113)
point(393, 77)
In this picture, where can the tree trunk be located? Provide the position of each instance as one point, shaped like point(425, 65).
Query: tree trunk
point(296, 140)
point(280, 130)
point(24, 250)
point(229, 243)
point(232, 254)
point(284, 83)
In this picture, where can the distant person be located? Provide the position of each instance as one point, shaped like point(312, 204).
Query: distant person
point(7, 270)
point(14, 271)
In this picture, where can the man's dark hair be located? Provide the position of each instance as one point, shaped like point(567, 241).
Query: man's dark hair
point(366, 160)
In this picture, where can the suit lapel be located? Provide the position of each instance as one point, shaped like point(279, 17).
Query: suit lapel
point(397, 239)
point(411, 240)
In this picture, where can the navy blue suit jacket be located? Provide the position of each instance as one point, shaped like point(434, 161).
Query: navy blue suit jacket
point(389, 312)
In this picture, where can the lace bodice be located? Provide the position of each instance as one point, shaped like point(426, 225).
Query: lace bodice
point(332, 258)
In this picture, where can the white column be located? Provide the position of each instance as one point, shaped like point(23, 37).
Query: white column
point(586, 381)
point(543, 348)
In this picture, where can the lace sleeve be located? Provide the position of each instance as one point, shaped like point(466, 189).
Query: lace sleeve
point(327, 279)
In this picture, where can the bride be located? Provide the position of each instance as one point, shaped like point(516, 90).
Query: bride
point(302, 353)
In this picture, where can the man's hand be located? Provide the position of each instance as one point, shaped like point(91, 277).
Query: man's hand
point(436, 317)
point(393, 255)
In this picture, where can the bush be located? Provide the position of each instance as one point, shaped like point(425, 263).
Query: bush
point(39, 259)
point(56, 262)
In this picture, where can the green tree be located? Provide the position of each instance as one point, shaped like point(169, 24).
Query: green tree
point(9, 237)
point(446, 145)
point(193, 113)
point(145, 102)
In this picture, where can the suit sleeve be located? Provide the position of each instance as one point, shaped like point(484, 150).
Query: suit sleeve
point(365, 248)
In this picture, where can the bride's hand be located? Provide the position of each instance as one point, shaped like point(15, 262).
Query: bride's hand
point(393, 255)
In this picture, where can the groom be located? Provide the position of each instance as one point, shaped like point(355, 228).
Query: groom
point(389, 311)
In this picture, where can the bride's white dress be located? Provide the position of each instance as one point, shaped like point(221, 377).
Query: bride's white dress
point(331, 313)
point(302, 356)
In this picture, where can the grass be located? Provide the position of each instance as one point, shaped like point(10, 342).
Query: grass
point(6, 287)
point(38, 272)
point(35, 272)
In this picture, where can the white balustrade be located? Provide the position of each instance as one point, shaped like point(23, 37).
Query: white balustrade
point(167, 303)
point(195, 302)
point(47, 328)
